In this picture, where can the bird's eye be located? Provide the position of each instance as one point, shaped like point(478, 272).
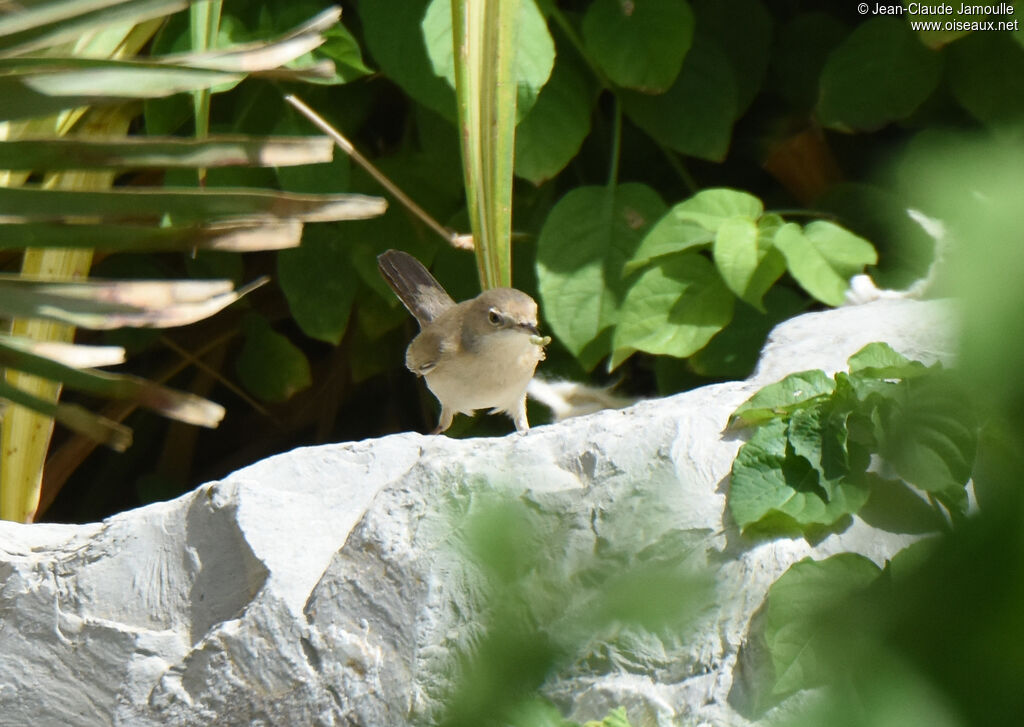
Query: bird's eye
point(495, 317)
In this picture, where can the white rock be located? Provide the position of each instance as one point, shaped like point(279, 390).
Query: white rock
point(320, 587)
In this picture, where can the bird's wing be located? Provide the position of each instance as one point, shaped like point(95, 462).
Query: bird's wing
point(418, 290)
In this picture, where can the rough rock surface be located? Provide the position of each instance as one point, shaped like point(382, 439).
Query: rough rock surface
point(318, 586)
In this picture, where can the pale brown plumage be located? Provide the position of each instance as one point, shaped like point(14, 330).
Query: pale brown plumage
point(478, 354)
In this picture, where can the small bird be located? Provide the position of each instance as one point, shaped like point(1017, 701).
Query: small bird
point(478, 354)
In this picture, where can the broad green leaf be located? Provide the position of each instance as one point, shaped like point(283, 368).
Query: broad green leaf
point(735, 253)
point(639, 45)
point(670, 234)
point(905, 250)
point(880, 73)
point(845, 252)
point(320, 283)
point(552, 132)
point(711, 208)
point(929, 434)
point(673, 308)
point(128, 153)
point(879, 360)
point(809, 267)
point(774, 400)
point(535, 51)
point(585, 242)
point(796, 627)
point(771, 263)
point(269, 365)
point(136, 204)
point(733, 353)
point(746, 43)
point(694, 116)
point(772, 489)
point(986, 75)
point(394, 36)
point(819, 435)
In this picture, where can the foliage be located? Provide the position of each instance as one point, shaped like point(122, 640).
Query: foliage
point(644, 282)
point(756, 105)
point(806, 466)
point(934, 637)
point(58, 59)
point(546, 608)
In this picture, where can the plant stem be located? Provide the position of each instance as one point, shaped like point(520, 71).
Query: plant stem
point(450, 236)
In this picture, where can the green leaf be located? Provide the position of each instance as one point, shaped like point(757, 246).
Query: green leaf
point(773, 489)
point(342, 48)
point(733, 353)
point(673, 308)
point(986, 75)
point(746, 44)
point(771, 264)
point(711, 208)
point(319, 282)
point(796, 390)
point(845, 252)
point(639, 45)
point(735, 253)
point(393, 33)
point(269, 365)
point(694, 116)
point(552, 132)
point(879, 360)
point(929, 435)
point(796, 630)
point(585, 242)
point(879, 74)
point(809, 266)
point(669, 235)
point(535, 50)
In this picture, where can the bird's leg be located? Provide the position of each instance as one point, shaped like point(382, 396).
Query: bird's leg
point(519, 416)
point(447, 415)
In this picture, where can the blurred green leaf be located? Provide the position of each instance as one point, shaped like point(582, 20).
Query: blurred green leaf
point(880, 73)
point(269, 365)
point(796, 629)
point(802, 46)
point(986, 75)
point(639, 45)
point(695, 115)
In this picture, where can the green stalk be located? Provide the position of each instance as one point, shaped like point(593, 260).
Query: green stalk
point(204, 18)
point(484, 36)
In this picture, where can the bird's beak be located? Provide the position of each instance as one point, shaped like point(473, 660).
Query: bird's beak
point(529, 328)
